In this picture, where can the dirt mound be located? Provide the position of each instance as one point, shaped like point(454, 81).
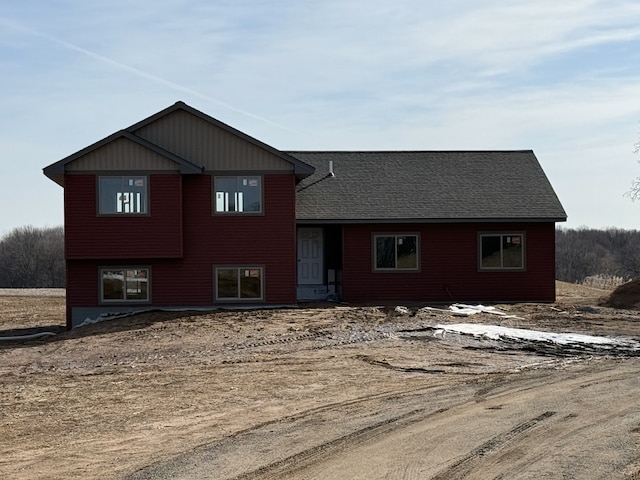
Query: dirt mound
point(626, 296)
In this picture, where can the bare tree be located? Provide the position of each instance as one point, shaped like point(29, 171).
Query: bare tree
point(634, 191)
point(32, 257)
point(584, 252)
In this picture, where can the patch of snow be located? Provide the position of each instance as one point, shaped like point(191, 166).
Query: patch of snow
point(495, 332)
point(463, 310)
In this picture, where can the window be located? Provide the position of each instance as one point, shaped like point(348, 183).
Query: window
point(125, 284)
point(239, 283)
point(396, 252)
point(122, 195)
point(502, 251)
point(241, 194)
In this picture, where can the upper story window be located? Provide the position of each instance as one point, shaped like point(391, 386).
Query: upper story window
point(396, 252)
point(239, 194)
point(503, 251)
point(122, 195)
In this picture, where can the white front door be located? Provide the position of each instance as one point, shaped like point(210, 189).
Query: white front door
point(310, 256)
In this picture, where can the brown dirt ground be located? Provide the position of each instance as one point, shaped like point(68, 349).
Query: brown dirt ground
point(325, 391)
point(626, 295)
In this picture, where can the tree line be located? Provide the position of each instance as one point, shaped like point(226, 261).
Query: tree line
point(584, 253)
point(33, 257)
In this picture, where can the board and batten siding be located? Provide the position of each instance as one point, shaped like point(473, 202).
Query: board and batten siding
point(121, 155)
point(449, 265)
point(155, 235)
point(203, 143)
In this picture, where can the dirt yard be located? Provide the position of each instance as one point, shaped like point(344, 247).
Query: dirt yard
point(321, 392)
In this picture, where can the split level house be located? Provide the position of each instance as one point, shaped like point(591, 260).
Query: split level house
point(181, 211)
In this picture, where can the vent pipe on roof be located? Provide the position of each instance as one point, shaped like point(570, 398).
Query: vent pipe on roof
point(328, 175)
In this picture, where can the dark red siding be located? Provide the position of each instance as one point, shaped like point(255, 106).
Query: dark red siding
point(210, 240)
point(157, 235)
point(449, 265)
point(266, 240)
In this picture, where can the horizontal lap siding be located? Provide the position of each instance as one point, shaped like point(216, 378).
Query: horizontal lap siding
point(266, 240)
point(88, 235)
point(449, 266)
point(82, 288)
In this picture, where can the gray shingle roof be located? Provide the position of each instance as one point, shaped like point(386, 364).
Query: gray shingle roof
point(426, 186)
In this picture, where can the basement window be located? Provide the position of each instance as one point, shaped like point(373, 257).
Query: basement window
point(395, 252)
point(240, 194)
point(124, 284)
point(239, 283)
point(504, 251)
point(122, 195)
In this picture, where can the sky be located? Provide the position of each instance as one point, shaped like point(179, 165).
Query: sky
point(559, 78)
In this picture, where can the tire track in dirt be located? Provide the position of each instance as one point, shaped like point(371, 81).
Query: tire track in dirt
point(327, 339)
point(358, 419)
point(292, 465)
point(593, 433)
point(281, 448)
point(519, 447)
point(286, 466)
point(361, 420)
point(467, 464)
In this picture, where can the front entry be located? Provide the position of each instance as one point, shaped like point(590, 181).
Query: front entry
point(311, 284)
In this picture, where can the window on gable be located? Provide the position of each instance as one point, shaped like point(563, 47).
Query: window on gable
point(239, 283)
point(396, 252)
point(124, 284)
point(503, 251)
point(122, 195)
point(239, 194)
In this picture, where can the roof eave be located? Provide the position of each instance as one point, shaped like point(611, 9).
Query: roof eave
point(56, 171)
point(308, 221)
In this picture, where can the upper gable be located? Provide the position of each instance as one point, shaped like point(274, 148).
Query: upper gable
point(215, 146)
point(208, 145)
point(182, 139)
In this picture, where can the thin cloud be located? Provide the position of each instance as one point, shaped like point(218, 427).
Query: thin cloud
point(137, 72)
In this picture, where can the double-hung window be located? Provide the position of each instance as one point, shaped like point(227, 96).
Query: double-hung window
point(239, 283)
point(238, 194)
point(122, 195)
point(395, 252)
point(501, 251)
point(124, 284)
